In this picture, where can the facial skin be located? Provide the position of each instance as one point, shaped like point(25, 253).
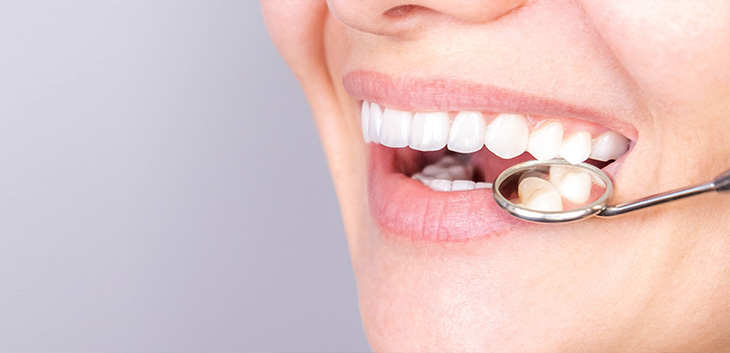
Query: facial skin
point(653, 280)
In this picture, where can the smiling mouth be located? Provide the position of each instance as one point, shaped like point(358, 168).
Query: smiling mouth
point(459, 137)
point(431, 170)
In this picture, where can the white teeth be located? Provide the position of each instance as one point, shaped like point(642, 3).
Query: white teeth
point(365, 120)
point(450, 185)
point(538, 194)
point(461, 185)
point(467, 132)
point(429, 131)
point(577, 147)
point(439, 184)
point(544, 143)
point(376, 117)
point(420, 177)
point(449, 174)
point(395, 128)
point(507, 135)
point(453, 172)
point(609, 145)
point(573, 185)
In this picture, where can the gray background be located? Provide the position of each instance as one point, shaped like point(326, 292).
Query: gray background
point(161, 186)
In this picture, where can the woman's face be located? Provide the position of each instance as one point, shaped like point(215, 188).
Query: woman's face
point(448, 270)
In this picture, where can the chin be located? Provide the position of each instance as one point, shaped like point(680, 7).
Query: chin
point(420, 106)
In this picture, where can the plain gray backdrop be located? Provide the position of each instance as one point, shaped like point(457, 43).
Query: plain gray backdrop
point(162, 187)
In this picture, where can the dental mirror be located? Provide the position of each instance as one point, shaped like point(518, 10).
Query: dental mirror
point(557, 191)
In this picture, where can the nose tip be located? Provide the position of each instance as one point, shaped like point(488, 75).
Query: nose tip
point(398, 17)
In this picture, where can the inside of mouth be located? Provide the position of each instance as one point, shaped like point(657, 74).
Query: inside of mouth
point(445, 170)
point(552, 186)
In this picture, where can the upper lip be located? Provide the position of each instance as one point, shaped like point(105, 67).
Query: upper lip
point(449, 94)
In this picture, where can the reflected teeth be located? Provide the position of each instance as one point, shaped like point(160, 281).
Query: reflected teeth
point(539, 194)
point(507, 136)
point(573, 185)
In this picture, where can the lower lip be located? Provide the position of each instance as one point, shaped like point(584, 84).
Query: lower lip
point(404, 207)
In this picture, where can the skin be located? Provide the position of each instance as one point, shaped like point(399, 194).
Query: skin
point(655, 280)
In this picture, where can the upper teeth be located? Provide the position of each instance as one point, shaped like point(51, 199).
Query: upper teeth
point(507, 136)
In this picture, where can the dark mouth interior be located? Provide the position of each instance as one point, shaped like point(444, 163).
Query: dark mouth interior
point(487, 166)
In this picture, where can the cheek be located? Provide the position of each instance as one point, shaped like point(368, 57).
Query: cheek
point(676, 52)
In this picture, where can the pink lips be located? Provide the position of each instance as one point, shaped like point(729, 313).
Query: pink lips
point(404, 207)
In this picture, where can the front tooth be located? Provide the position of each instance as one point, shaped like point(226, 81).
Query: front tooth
point(574, 186)
point(395, 128)
point(483, 185)
point(544, 143)
point(460, 185)
point(577, 147)
point(439, 184)
point(538, 194)
point(365, 120)
point(609, 145)
point(467, 132)
point(376, 117)
point(507, 135)
point(429, 131)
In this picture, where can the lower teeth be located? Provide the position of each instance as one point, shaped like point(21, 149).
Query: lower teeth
point(450, 174)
